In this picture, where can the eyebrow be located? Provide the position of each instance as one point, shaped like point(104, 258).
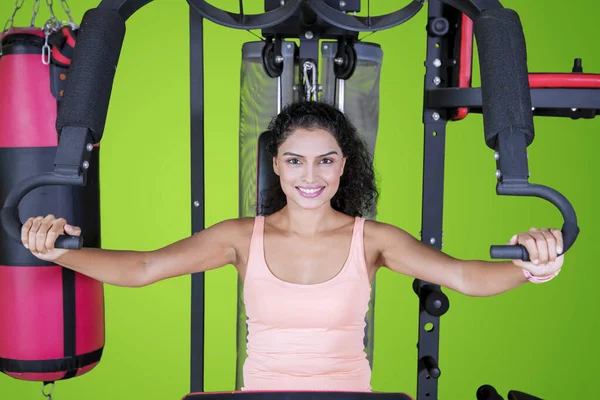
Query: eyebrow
point(287, 153)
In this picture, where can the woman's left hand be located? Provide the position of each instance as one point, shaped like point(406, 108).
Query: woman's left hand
point(545, 247)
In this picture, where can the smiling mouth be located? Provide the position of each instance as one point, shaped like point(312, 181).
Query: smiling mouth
point(310, 192)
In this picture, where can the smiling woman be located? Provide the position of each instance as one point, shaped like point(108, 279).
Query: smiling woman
point(325, 159)
point(307, 267)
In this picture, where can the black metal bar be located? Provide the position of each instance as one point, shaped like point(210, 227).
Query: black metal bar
point(541, 98)
point(305, 19)
point(246, 21)
point(442, 23)
point(295, 395)
point(431, 234)
point(345, 20)
point(309, 49)
point(197, 191)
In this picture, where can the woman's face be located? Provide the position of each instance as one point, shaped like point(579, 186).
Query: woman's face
point(309, 164)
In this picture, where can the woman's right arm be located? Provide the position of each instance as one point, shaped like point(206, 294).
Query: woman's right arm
point(212, 248)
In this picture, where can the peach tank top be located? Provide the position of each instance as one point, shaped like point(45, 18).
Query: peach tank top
point(306, 337)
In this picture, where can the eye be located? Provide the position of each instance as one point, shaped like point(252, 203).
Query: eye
point(293, 161)
point(327, 161)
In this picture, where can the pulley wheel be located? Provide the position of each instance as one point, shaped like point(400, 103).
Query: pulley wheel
point(271, 66)
point(345, 68)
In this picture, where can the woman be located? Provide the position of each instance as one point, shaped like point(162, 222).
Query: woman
point(306, 267)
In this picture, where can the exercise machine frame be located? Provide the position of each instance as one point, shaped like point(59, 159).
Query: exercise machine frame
point(448, 96)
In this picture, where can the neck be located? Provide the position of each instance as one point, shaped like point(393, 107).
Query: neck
point(305, 222)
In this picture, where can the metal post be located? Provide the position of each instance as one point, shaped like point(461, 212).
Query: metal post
point(197, 192)
point(443, 23)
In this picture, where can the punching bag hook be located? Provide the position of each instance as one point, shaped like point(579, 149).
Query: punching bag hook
point(48, 395)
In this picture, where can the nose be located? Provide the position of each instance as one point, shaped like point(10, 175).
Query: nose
point(309, 173)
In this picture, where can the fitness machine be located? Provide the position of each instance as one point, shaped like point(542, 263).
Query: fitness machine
point(508, 99)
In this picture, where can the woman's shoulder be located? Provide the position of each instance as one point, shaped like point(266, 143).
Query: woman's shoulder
point(236, 226)
point(233, 230)
point(379, 231)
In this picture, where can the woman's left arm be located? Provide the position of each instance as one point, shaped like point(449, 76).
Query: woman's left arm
point(402, 253)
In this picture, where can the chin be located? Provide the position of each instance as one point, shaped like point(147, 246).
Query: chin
point(311, 205)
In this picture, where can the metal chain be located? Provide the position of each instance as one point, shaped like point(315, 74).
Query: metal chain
point(311, 85)
point(11, 20)
point(52, 25)
point(67, 10)
point(34, 13)
point(53, 22)
point(46, 49)
point(56, 24)
point(50, 4)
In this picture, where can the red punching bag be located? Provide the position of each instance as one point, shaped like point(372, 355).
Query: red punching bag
point(51, 318)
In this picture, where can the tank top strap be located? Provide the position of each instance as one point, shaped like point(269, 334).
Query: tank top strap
point(357, 250)
point(258, 230)
point(256, 259)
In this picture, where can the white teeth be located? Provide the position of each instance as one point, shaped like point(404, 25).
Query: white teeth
point(309, 190)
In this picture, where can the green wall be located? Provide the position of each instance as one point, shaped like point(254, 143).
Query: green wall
point(536, 338)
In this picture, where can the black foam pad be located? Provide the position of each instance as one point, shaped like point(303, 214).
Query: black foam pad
point(266, 180)
point(92, 71)
point(504, 76)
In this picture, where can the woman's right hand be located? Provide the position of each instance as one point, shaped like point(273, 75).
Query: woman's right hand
point(40, 233)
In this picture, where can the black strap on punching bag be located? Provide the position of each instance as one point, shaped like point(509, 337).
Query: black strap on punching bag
point(69, 318)
point(63, 45)
point(43, 366)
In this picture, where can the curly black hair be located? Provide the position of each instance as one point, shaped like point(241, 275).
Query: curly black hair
point(357, 194)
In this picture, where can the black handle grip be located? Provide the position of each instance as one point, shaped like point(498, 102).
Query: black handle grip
point(517, 395)
point(69, 242)
point(517, 252)
point(488, 392)
point(9, 215)
point(570, 229)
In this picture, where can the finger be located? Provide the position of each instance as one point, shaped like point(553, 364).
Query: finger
point(25, 232)
point(73, 230)
point(513, 240)
point(55, 231)
point(37, 222)
point(551, 243)
point(559, 240)
point(527, 240)
point(541, 244)
point(42, 233)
